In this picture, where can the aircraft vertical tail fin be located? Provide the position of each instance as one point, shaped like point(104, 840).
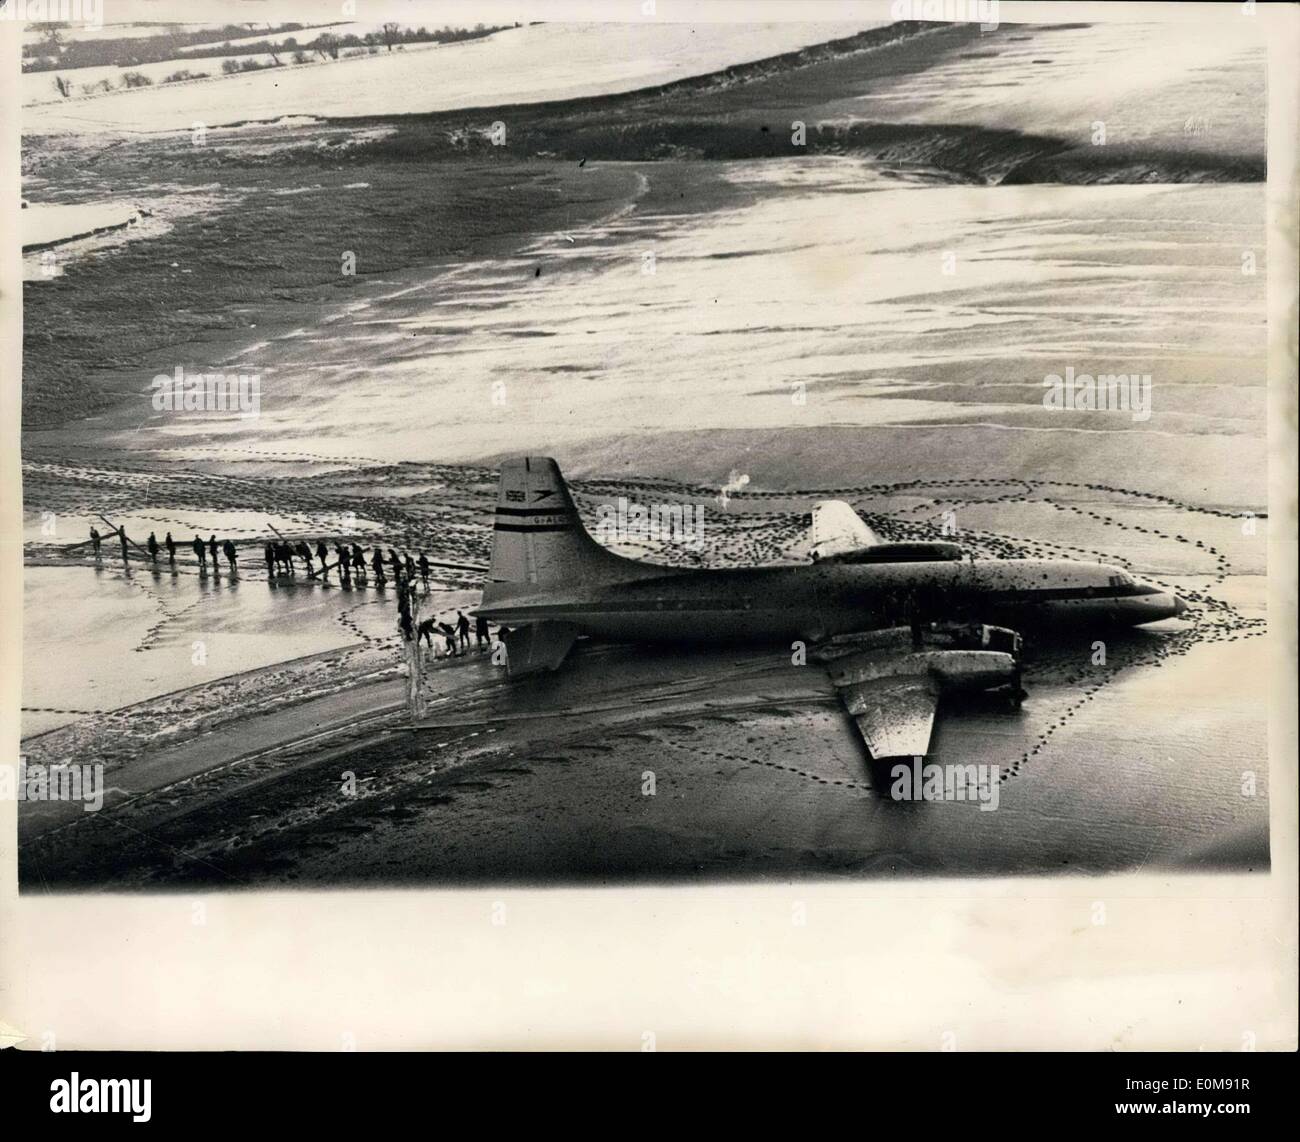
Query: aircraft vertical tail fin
point(838, 530)
point(538, 538)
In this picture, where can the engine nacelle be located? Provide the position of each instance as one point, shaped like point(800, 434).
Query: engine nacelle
point(952, 670)
point(900, 553)
point(973, 670)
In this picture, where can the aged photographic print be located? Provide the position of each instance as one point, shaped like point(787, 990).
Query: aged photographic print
point(519, 451)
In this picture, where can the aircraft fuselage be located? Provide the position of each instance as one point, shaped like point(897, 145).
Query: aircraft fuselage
point(776, 604)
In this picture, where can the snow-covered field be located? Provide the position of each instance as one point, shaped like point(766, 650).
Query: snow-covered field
point(38, 87)
point(1101, 84)
point(520, 65)
point(359, 28)
point(33, 33)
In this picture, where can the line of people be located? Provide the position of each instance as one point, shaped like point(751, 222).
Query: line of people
point(455, 636)
point(349, 559)
point(198, 546)
point(202, 550)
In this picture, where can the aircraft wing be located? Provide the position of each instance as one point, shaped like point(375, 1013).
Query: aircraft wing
point(890, 683)
point(894, 714)
point(837, 530)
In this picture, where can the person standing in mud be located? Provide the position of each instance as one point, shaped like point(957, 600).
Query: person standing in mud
point(396, 563)
point(199, 551)
point(121, 535)
point(344, 559)
point(268, 553)
point(212, 550)
point(482, 635)
point(304, 553)
point(424, 569)
point(462, 629)
point(409, 564)
point(171, 549)
point(404, 610)
point(377, 564)
point(358, 561)
point(425, 631)
point(322, 553)
point(95, 539)
point(231, 555)
point(449, 635)
point(151, 544)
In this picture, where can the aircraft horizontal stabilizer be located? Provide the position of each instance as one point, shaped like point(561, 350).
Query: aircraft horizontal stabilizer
point(894, 715)
point(538, 647)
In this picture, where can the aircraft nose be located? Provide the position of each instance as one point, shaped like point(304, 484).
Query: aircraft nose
point(1153, 607)
point(1167, 605)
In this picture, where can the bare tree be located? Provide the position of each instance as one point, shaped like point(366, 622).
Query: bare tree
point(390, 34)
point(270, 43)
point(327, 44)
point(51, 32)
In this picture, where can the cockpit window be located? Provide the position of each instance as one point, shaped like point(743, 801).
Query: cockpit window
point(1121, 579)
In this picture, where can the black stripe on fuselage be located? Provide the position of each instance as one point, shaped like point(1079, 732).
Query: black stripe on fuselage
point(533, 528)
point(527, 513)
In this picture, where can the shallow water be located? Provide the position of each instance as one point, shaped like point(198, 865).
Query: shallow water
point(95, 640)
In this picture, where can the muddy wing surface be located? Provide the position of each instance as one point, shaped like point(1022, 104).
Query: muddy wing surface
point(894, 715)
